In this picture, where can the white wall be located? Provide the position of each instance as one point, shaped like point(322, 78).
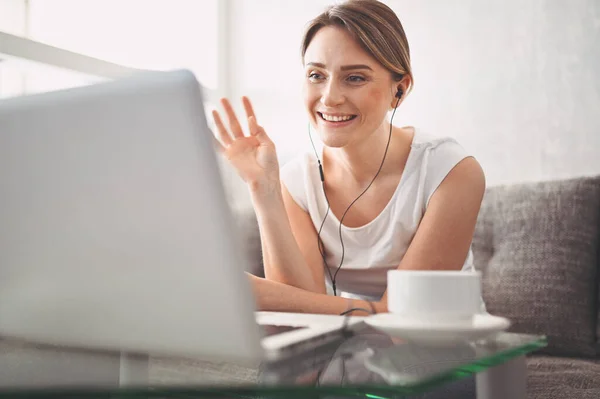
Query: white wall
point(12, 16)
point(12, 20)
point(515, 81)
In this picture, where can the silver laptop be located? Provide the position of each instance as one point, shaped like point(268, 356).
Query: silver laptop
point(115, 231)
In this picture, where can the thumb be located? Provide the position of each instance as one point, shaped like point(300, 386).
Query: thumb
point(257, 131)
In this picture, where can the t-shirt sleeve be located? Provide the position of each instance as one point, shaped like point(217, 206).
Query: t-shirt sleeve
point(442, 158)
point(292, 177)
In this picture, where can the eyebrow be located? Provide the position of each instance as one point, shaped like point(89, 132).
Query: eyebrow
point(343, 68)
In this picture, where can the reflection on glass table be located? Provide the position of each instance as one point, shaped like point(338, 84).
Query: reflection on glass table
point(363, 362)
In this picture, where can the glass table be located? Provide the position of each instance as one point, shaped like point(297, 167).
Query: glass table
point(365, 363)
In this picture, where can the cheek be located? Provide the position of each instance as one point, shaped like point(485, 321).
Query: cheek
point(310, 95)
point(375, 102)
point(306, 93)
point(375, 96)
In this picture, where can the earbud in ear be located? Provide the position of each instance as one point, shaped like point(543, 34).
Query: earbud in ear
point(399, 93)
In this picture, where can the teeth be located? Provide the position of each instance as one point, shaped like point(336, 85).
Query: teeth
point(334, 118)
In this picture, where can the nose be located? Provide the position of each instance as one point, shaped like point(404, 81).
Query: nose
point(332, 95)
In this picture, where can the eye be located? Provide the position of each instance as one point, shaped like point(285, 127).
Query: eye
point(356, 79)
point(314, 76)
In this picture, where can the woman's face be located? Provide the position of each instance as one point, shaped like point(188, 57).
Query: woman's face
point(347, 93)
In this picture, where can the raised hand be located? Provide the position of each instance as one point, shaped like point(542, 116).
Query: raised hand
point(253, 156)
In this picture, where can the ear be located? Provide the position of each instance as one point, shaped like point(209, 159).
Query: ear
point(400, 90)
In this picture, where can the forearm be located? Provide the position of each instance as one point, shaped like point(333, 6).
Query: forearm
point(278, 297)
point(282, 258)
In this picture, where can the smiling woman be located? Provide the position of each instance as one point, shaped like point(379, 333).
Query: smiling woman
point(377, 198)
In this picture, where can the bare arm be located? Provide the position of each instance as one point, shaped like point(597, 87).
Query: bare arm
point(289, 242)
point(281, 221)
point(444, 236)
point(441, 242)
point(277, 297)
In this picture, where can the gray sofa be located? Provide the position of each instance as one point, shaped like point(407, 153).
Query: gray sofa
point(537, 245)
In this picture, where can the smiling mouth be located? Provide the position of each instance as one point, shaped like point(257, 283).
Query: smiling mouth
point(336, 118)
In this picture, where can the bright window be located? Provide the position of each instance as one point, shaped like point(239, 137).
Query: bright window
point(156, 34)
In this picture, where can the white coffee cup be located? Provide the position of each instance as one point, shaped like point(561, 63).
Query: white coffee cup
point(434, 296)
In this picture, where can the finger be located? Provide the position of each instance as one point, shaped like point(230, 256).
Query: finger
point(252, 123)
point(234, 124)
point(223, 133)
point(248, 107)
point(218, 146)
point(253, 126)
point(257, 131)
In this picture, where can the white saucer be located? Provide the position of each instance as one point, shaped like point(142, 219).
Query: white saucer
point(430, 333)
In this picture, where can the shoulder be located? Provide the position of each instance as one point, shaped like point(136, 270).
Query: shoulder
point(298, 177)
point(467, 177)
point(457, 199)
point(298, 166)
point(440, 146)
point(445, 162)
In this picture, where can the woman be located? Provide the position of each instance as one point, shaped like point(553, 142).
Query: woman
point(378, 197)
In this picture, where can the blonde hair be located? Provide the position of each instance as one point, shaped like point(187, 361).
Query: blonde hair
point(374, 26)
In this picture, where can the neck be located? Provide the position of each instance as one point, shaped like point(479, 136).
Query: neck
point(360, 160)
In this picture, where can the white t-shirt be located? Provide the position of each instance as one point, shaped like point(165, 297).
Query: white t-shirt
point(373, 249)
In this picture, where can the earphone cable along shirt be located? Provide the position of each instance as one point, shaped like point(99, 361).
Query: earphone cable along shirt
point(378, 246)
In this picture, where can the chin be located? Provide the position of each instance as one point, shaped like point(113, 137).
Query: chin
point(334, 140)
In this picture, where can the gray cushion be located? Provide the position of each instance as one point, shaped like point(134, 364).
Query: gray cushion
point(249, 234)
point(537, 246)
point(551, 377)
